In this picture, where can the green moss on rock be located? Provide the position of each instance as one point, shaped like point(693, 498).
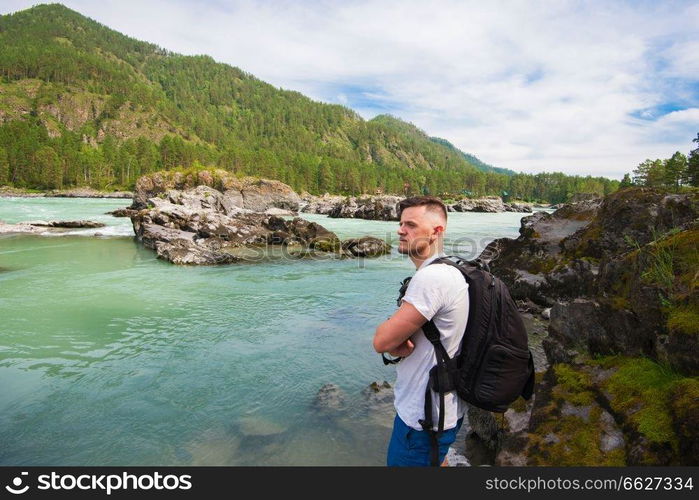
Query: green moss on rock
point(519, 405)
point(683, 319)
point(326, 245)
point(543, 265)
point(572, 385)
point(639, 391)
point(572, 441)
point(684, 408)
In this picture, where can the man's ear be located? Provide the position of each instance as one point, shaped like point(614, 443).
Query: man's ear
point(436, 232)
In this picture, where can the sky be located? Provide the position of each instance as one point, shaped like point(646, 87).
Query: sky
point(586, 88)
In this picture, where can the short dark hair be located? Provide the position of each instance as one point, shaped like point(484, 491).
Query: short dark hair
point(422, 201)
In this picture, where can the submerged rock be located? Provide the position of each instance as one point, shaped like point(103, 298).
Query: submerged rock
point(42, 227)
point(330, 399)
point(69, 223)
point(367, 246)
point(21, 227)
point(258, 427)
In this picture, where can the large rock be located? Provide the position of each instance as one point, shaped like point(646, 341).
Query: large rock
point(630, 218)
point(529, 265)
point(587, 326)
point(367, 246)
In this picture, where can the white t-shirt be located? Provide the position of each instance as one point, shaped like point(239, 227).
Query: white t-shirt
point(440, 293)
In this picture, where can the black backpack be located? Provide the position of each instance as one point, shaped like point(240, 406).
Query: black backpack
point(495, 365)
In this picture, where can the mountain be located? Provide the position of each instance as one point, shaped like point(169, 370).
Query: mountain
point(485, 167)
point(81, 104)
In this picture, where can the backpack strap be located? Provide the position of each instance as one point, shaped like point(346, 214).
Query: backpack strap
point(440, 380)
point(440, 373)
point(528, 390)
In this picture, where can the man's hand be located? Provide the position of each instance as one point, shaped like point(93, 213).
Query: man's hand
point(404, 350)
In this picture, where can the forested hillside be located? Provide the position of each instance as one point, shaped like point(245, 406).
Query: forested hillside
point(83, 105)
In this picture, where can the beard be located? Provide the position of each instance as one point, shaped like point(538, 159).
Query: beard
point(414, 249)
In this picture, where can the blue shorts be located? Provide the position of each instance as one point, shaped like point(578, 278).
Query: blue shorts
point(411, 448)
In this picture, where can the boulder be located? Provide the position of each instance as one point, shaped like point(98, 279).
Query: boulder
point(367, 246)
point(532, 266)
point(122, 212)
point(519, 207)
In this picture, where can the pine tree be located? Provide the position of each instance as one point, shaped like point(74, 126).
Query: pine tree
point(691, 175)
point(675, 170)
point(626, 182)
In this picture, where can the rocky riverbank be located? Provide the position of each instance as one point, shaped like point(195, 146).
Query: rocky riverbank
point(215, 218)
point(620, 278)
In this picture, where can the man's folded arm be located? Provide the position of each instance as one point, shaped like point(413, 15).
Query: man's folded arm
point(398, 328)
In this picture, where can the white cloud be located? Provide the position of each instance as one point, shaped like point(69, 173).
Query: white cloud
point(579, 87)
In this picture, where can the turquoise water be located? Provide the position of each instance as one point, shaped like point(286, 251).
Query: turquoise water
point(109, 356)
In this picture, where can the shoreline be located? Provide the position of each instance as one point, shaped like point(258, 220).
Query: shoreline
point(10, 192)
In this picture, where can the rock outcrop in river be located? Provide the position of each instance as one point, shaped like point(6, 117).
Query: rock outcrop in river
point(42, 227)
point(370, 208)
point(620, 276)
point(385, 207)
point(204, 225)
point(492, 204)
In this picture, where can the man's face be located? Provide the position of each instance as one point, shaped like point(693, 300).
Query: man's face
point(418, 228)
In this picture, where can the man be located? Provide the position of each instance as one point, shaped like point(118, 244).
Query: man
point(436, 292)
